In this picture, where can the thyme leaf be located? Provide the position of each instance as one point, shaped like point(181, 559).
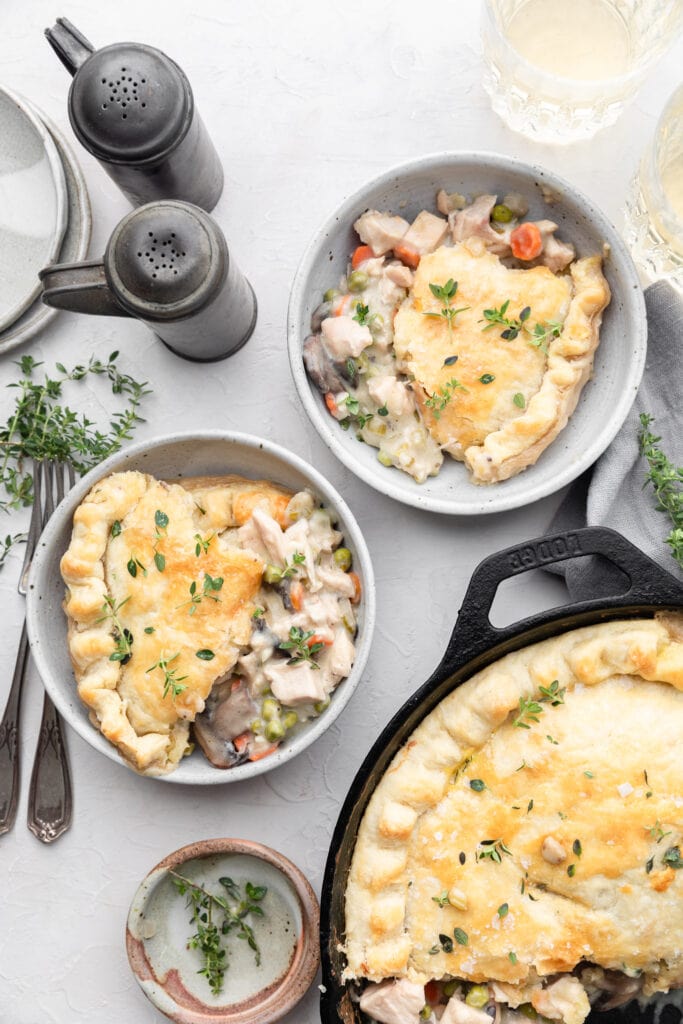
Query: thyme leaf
point(667, 483)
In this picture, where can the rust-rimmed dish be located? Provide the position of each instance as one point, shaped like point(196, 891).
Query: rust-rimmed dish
point(157, 934)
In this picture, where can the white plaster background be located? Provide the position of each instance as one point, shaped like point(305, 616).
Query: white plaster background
point(305, 101)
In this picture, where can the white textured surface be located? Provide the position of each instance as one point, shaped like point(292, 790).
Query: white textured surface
point(304, 101)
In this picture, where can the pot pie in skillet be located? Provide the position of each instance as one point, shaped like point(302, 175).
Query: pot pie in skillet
point(471, 333)
point(522, 855)
point(218, 601)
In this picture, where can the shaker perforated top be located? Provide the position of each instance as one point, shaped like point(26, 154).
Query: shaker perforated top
point(165, 259)
point(130, 102)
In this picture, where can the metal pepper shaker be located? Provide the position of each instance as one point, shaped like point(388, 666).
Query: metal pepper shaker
point(168, 265)
point(132, 107)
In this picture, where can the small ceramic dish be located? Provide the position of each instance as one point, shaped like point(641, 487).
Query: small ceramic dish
point(619, 360)
point(33, 200)
point(74, 245)
point(213, 453)
point(158, 931)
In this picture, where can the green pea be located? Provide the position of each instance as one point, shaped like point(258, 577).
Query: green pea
point(502, 213)
point(384, 459)
point(256, 726)
point(528, 1010)
point(275, 730)
point(272, 574)
point(477, 996)
point(331, 294)
point(343, 558)
point(322, 705)
point(290, 720)
point(450, 988)
point(357, 281)
point(425, 1012)
point(270, 709)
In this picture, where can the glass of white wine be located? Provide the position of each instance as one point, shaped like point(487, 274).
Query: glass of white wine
point(653, 224)
point(560, 70)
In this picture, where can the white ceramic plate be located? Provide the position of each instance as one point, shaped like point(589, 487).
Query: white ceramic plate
point(619, 361)
point(212, 453)
point(74, 244)
point(33, 205)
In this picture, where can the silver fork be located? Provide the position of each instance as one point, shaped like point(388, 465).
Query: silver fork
point(50, 801)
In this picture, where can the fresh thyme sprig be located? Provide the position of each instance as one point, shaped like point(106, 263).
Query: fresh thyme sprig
point(210, 584)
point(123, 638)
point(667, 482)
point(211, 932)
point(439, 400)
point(529, 710)
point(539, 337)
point(491, 849)
point(160, 527)
point(446, 293)
point(363, 316)
point(300, 647)
point(173, 683)
point(274, 574)
point(203, 544)
point(40, 427)
point(6, 545)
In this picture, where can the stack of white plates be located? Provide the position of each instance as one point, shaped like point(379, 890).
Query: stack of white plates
point(44, 214)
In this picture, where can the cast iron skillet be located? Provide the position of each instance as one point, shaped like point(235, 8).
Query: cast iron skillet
point(475, 643)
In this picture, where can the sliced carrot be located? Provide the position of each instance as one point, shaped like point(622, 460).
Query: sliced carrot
point(259, 754)
point(318, 639)
point(362, 253)
point(432, 993)
point(235, 684)
point(406, 255)
point(357, 588)
point(240, 742)
point(296, 595)
point(340, 306)
point(331, 403)
point(526, 241)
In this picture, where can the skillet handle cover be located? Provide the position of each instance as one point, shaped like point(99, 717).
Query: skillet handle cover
point(648, 583)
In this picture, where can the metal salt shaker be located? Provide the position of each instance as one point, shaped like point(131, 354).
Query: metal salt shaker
point(132, 107)
point(166, 264)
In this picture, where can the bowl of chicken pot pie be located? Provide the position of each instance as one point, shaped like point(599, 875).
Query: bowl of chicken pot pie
point(201, 607)
point(467, 333)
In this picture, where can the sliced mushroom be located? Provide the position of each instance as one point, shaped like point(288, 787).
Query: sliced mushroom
point(325, 374)
point(229, 712)
point(617, 990)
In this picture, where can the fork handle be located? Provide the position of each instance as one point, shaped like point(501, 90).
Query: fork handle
point(50, 802)
point(9, 740)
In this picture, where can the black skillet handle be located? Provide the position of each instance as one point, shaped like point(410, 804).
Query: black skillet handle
point(473, 633)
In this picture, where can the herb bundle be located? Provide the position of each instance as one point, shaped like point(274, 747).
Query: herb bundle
point(667, 482)
point(40, 427)
point(215, 918)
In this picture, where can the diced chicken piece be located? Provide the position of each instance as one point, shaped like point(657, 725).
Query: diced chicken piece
point(564, 1000)
point(295, 684)
point(381, 231)
point(449, 202)
point(556, 255)
point(399, 275)
point(270, 535)
point(336, 661)
point(343, 337)
point(394, 1002)
point(426, 233)
point(252, 672)
point(320, 610)
point(320, 367)
point(516, 204)
point(552, 851)
point(336, 580)
point(475, 222)
point(392, 393)
point(458, 1012)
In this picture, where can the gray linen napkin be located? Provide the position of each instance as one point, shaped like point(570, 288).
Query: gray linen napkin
point(611, 492)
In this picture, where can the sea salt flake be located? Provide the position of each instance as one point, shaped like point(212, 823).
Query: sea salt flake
point(625, 789)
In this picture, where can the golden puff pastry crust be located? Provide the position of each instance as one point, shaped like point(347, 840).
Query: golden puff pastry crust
point(116, 586)
point(511, 398)
point(557, 832)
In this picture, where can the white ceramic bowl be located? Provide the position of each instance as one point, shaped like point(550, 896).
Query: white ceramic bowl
point(181, 455)
point(619, 361)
